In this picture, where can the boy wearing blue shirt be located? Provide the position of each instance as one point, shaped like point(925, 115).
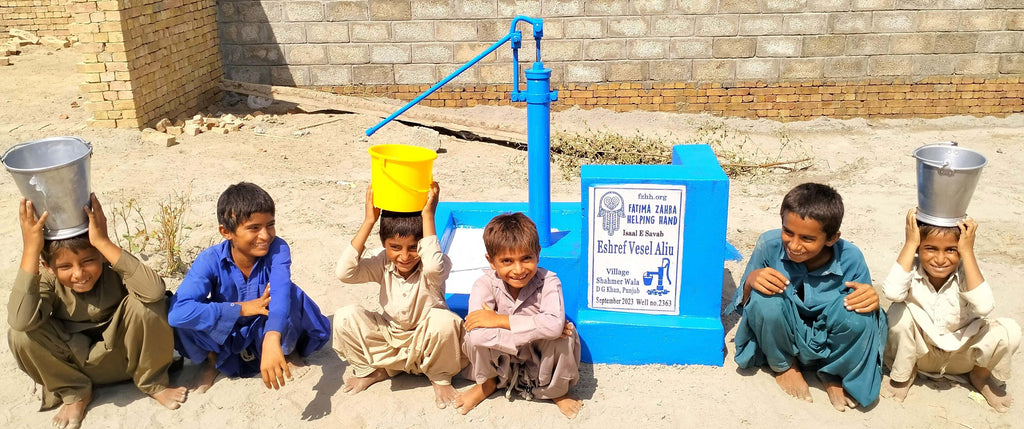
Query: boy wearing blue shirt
point(807, 302)
point(237, 308)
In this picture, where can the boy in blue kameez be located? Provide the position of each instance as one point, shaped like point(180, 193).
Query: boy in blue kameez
point(237, 309)
point(807, 302)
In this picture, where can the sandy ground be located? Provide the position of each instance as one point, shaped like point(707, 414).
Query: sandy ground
point(318, 181)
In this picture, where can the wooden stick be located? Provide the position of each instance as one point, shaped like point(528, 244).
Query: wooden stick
point(781, 164)
point(320, 123)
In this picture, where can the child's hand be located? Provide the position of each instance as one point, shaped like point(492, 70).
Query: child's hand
point(912, 230)
point(433, 195)
point(863, 299)
point(568, 330)
point(485, 318)
point(97, 222)
point(256, 307)
point(968, 228)
point(31, 228)
point(273, 365)
point(372, 213)
point(768, 281)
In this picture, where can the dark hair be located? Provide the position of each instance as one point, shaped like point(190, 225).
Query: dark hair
point(239, 202)
point(75, 244)
point(818, 202)
point(511, 231)
point(399, 224)
point(929, 229)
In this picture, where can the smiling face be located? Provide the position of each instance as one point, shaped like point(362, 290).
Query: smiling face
point(252, 238)
point(939, 257)
point(402, 251)
point(77, 270)
point(515, 267)
point(806, 242)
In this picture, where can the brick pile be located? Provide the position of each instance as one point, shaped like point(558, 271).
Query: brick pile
point(796, 100)
point(148, 60)
point(165, 131)
point(41, 17)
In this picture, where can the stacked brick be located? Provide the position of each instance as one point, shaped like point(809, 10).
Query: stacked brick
point(767, 46)
point(144, 60)
point(40, 17)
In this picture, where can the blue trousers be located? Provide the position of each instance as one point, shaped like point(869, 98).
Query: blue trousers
point(239, 355)
point(778, 330)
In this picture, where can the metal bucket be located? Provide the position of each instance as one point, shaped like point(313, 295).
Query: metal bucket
point(946, 177)
point(53, 173)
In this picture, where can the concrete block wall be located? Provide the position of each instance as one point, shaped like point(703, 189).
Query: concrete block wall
point(41, 17)
point(144, 60)
point(388, 46)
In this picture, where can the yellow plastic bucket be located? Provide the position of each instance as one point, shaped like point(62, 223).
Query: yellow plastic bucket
point(401, 176)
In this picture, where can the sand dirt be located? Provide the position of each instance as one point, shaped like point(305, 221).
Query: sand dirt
point(318, 181)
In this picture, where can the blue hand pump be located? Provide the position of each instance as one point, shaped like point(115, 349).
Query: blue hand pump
point(538, 98)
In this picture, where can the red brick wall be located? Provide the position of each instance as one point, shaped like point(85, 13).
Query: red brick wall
point(786, 101)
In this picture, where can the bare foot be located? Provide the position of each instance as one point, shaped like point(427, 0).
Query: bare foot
point(444, 394)
point(470, 398)
point(70, 416)
point(355, 384)
point(994, 392)
point(207, 375)
point(792, 382)
point(568, 405)
point(171, 397)
point(837, 396)
point(895, 389)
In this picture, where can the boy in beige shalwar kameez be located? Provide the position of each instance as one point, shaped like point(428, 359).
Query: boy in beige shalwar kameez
point(937, 322)
point(96, 315)
point(415, 332)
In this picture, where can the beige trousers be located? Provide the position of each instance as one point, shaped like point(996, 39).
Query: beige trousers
point(907, 348)
point(138, 344)
point(368, 342)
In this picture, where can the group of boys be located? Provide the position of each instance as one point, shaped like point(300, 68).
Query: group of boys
point(97, 315)
point(807, 303)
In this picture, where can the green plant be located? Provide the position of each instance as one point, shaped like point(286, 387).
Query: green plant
point(169, 236)
point(129, 215)
point(604, 147)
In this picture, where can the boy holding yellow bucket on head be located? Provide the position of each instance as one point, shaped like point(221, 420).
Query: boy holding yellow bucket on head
point(414, 331)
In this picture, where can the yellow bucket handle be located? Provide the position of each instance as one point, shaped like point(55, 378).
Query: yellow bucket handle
point(384, 171)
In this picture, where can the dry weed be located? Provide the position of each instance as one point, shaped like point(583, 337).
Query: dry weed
point(739, 156)
point(603, 147)
point(172, 230)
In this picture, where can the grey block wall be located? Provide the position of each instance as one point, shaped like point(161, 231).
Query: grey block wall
point(349, 42)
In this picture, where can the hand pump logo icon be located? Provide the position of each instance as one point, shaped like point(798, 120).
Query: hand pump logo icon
point(611, 211)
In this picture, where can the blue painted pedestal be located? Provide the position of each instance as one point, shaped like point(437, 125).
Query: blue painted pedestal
point(695, 335)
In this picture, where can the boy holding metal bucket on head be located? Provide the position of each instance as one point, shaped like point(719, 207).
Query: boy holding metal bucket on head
point(937, 322)
point(95, 315)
